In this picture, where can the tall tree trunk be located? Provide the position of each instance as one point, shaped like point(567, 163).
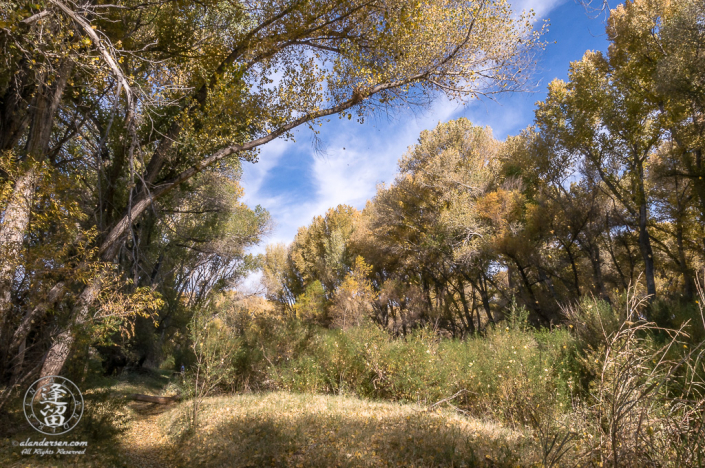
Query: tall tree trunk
point(12, 231)
point(464, 301)
point(17, 213)
point(647, 253)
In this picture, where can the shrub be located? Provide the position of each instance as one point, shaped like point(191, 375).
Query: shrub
point(606, 387)
point(510, 373)
point(645, 404)
point(591, 320)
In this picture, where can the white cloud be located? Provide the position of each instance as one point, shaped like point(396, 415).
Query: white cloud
point(356, 159)
point(253, 175)
point(350, 175)
point(540, 7)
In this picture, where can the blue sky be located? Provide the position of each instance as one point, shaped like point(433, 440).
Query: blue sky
point(295, 183)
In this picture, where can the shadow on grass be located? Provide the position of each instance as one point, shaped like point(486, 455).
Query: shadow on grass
point(345, 440)
point(107, 420)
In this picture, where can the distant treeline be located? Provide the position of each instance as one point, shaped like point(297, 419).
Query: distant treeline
point(605, 190)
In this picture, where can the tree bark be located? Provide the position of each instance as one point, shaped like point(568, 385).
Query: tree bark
point(58, 353)
point(46, 104)
point(14, 224)
point(61, 347)
point(647, 253)
point(17, 213)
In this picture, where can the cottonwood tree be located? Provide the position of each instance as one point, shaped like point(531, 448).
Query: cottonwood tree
point(601, 191)
point(662, 43)
point(609, 123)
point(616, 110)
point(457, 163)
point(320, 251)
point(191, 247)
point(424, 231)
point(136, 99)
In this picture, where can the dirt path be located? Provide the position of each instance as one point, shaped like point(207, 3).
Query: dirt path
point(142, 444)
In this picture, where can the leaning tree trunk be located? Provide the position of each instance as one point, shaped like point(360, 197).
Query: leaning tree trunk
point(61, 347)
point(19, 338)
point(17, 213)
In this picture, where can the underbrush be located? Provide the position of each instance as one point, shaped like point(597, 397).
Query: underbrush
point(607, 388)
point(512, 372)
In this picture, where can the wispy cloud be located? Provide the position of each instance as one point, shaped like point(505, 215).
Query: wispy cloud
point(540, 7)
point(358, 157)
point(254, 175)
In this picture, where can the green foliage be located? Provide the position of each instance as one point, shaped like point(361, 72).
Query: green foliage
point(279, 278)
point(312, 305)
point(213, 346)
point(320, 252)
point(674, 314)
point(353, 301)
point(593, 320)
point(511, 374)
point(559, 384)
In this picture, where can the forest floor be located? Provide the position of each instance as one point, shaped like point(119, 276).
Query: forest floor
point(293, 430)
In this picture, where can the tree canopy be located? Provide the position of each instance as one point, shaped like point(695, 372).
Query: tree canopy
point(123, 126)
point(601, 193)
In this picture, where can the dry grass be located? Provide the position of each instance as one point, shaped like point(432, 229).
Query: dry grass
point(285, 429)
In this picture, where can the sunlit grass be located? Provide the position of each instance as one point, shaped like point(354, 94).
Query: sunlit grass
point(285, 429)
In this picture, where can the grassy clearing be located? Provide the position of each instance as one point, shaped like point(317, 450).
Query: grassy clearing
point(359, 397)
point(285, 429)
point(293, 430)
